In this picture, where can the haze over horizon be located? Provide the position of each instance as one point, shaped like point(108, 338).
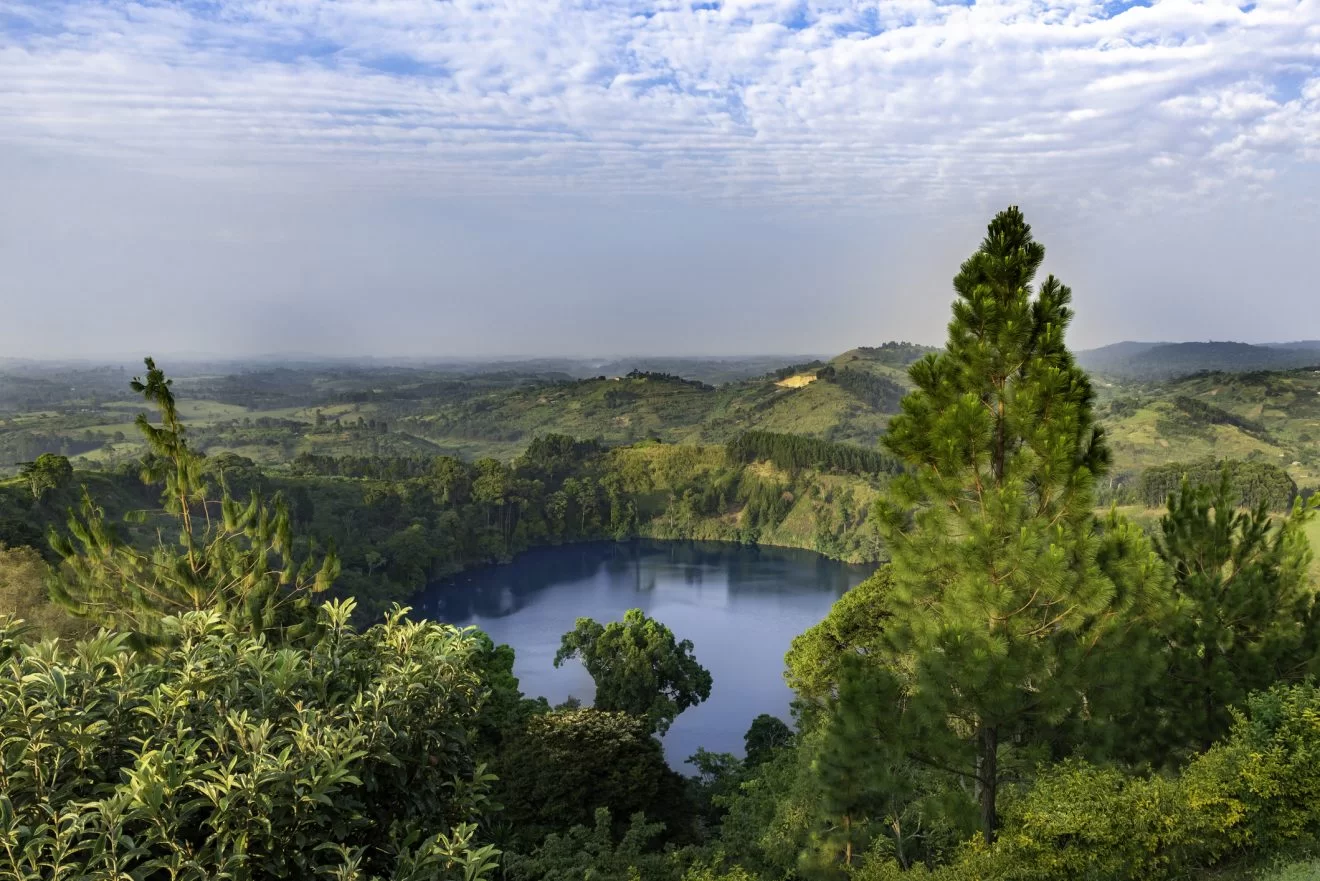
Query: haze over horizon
point(409, 178)
point(177, 359)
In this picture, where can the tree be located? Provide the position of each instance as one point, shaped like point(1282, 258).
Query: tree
point(766, 734)
point(853, 627)
point(1254, 797)
point(505, 710)
point(639, 667)
point(559, 768)
point(718, 777)
point(771, 818)
point(866, 783)
point(996, 599)
point(592, 852)
point(47, 472)
point(1246, 615)
point(240, 563)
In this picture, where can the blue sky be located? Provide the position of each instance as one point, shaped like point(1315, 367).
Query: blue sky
point(452, 177)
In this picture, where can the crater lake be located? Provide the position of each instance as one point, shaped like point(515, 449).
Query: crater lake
point(740, 606)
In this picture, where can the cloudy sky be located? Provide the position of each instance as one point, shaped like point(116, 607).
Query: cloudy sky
point(437, 177)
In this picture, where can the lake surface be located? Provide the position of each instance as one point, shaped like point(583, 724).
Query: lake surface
point(740, 606)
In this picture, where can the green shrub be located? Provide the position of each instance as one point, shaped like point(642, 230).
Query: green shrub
point(560, 769)
point(591, 852)
point(1303, 871)
point(1255, 794)
point(227, 757)
point(1268, 772)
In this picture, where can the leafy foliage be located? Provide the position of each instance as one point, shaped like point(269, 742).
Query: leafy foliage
point(228, 756)
point(853, 628)
point(592, 852)
point(639, 668)
point(559, 768)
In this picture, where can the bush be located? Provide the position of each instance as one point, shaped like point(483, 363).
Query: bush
point(228, 757)
point(1303, 871)
point(24, 594)
point(1254, 794)
point(563, 767)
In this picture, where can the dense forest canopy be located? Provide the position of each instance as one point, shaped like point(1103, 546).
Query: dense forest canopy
point(1084, 653)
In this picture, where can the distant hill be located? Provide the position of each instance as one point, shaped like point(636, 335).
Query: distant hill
point(1137, 360)
point(1107, 359)
point(847, 399)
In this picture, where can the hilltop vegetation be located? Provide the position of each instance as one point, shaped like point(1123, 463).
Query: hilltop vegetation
point(272, 415)
point(1261, 417)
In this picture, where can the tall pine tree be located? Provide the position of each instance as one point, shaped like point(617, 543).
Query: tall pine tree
point(997, 602)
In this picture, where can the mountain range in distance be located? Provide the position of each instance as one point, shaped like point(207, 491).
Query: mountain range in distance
point(1129, 359)
point(1162, 360)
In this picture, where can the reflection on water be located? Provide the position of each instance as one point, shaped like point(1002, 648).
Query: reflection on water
point(740, 606)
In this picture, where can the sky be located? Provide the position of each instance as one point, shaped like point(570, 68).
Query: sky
point(533, 177)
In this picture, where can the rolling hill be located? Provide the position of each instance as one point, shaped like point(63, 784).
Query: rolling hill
point(1135, 360)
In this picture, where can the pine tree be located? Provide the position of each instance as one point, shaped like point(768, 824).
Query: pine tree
point(240, 563)
point(869, 788)
point(996, 597)
point(1246, 614)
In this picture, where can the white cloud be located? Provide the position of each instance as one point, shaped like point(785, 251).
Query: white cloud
point(860, 103)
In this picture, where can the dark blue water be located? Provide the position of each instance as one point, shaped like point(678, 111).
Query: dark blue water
point(740, 606)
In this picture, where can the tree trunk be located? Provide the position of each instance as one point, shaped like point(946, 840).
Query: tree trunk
point(1000, 429)
point(989, 774)
point(1207, 698)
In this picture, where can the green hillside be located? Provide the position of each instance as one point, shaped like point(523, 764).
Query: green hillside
point(1271, 417)
point(272, 415)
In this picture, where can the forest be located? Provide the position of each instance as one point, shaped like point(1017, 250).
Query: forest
point(1083, 654)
